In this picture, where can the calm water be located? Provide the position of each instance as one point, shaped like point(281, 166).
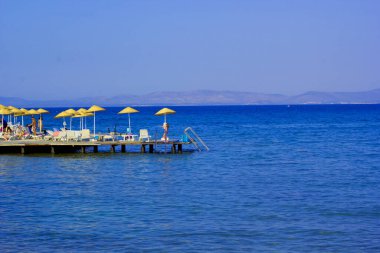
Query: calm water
point(277, 179)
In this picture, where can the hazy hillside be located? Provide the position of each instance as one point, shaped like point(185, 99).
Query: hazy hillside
point(207, 97)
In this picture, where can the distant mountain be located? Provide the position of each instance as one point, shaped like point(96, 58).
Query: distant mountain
point(206, 97)
point(314, 97)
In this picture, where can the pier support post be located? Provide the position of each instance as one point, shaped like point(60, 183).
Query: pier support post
point(83, 148)
point(22, 150)
point(113, 149)
point(150, 148)
point(179, 148)
point(96, 150)
point(142, 148)
point(52, 150)
point(173, 149)
point(123, 148)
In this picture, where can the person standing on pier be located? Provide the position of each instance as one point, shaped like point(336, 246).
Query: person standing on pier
point(40, 125)
point(165, 126)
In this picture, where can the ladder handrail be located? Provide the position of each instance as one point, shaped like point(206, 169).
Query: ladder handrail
point(197, 137)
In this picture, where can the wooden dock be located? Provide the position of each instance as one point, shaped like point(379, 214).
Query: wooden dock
point(54, 147)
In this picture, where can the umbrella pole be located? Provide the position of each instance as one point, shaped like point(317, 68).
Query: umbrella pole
point(22, 120)
point(94, 123)
point(71, 120)
point(129, 121)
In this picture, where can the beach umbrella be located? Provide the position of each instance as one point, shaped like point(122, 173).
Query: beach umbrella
point(32, 112)
point(10, 115)
point(4, 111)
point(128, 110)
point(72, 112)
point(41, 111)
point(25, 111)
point(63, 115)
point(95, 109)
point(16, 112)
point(81, 116)
point(80, 111)
point(164, 111)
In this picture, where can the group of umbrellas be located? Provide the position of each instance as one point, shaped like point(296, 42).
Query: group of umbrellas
point(16, 112)
point(81, 113)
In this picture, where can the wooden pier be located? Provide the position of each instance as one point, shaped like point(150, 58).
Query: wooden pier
point(55, 147)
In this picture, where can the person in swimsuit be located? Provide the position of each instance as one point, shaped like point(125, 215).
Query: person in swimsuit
point(165, 126)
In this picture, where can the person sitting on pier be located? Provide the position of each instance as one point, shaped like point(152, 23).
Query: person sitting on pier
point(7, 134)
point(33, 126)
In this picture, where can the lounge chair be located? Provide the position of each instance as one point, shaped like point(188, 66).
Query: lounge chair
point(73, 135)
point(59, 136)
point(85, 135)
point(144, 136)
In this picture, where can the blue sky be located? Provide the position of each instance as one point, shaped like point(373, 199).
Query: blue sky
point(70, 49)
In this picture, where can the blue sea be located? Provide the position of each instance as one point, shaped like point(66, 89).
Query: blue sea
point(276, 179)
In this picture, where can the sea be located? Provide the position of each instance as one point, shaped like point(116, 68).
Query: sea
point(298, 178)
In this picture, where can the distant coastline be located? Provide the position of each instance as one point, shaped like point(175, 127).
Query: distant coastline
point(206, 97)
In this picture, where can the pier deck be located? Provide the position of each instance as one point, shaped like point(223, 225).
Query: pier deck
point(41, 146)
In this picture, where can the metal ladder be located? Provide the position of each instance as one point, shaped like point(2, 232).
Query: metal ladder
point(196, 140)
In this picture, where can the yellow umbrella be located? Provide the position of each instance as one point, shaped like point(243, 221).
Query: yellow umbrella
point(62, 115)
point(1, 106)
point(41, 111)
point(16, 112)
point(95, 109)
point(25, 112)
point(72, 112)
point(164, 111)
point(128, 110)
point(5, 111)
point(32, 112)
point(10, 115)
point(82, 110)
point(82, 115)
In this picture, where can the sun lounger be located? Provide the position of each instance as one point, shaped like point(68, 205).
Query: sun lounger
point(59, 136)
point(144, 136)
point(85, 135)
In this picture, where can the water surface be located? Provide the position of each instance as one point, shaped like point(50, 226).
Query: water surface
point(277, 179)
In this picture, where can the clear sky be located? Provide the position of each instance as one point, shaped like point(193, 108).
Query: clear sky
point(70, 49)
